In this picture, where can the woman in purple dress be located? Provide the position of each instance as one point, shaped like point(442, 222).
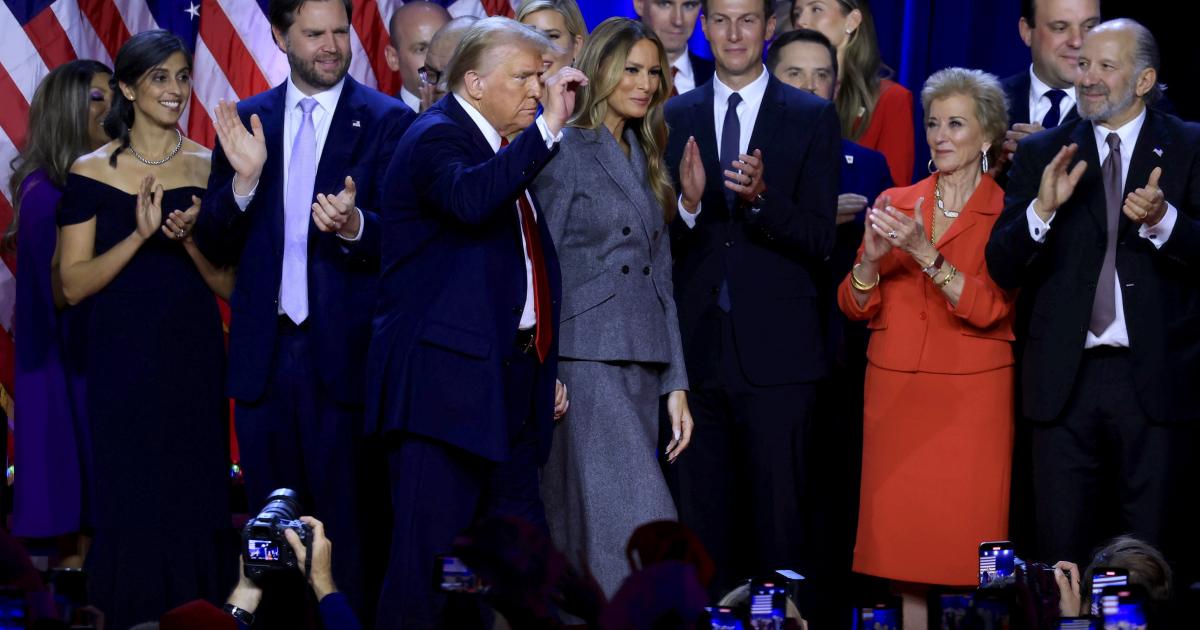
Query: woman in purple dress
point(50, 424)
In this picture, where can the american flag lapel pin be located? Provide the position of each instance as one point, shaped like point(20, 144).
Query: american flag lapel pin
point(355, 123)
point(1158, 152)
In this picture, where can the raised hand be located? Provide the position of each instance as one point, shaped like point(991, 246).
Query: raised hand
point(691, 175)
point(876, 244)
point(905, 233)
point(558, 101)
point(747, 181)
point(337, 213)
point(149, 208)
point(849, 205)
point(1147, 204)
point(1057, 183)
point(178, 226)
point(428, 94)
point(245, 149)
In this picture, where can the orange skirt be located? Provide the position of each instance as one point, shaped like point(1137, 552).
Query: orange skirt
point(937, 458)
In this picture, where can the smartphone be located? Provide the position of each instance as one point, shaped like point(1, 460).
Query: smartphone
point(878, 617)
point(721, 618)
point(1123, 608)
point(1078, 623)
point(1102, 577)
point(768, 604)
point(996, 561)
point(455, 577)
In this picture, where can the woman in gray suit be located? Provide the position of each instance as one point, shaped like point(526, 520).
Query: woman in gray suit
point(607, 199)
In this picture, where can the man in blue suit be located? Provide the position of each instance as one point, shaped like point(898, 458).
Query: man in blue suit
point(293, 203)
point(674, 21)
point(461, 372)
point(750, 256)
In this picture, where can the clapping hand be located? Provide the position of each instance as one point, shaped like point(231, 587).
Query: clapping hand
point(149, 208)
point(1146, 205)
point(1057, 183)
point(691, 175)
point(245, 149)
point(179, 223)
point(337, 213)
point(849, 205)
point(905, 233)
point(747, 180)
point(876, 244)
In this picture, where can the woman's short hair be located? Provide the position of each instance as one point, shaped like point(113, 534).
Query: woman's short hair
point(572, 17)
point(991, 105)
point(483, 37)
point(1146, 565)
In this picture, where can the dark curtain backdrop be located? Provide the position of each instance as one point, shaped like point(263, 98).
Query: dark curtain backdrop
point(919, 37)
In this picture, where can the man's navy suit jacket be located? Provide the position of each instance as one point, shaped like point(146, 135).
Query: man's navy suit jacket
point(342, 275)
point(453, 287)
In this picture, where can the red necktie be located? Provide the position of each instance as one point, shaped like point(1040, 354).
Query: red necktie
point(541, 284)
point(498, 7)
point(674, 73)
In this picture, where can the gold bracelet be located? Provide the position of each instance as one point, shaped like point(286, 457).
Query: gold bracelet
point(949, 277)
point(860, 285)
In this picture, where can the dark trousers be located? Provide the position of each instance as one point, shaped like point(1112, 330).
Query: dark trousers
point(296, 436)
point(439, 490)
point(1103, 468)
point(741, 481)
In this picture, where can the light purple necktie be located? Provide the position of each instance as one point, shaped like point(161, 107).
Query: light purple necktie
point(297, 206)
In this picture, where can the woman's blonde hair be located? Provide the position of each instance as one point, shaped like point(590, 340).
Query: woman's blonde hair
point(991, 104)
point(603, 61)
point(572, 16)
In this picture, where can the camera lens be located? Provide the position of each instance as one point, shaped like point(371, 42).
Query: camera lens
point(283, 504)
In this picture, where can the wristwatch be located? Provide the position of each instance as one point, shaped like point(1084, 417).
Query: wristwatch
point(933, 268)
point(242, 615)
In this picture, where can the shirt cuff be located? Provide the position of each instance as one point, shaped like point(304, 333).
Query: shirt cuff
point(688, 218)
point(1037, 227)
point(551, 139)
point(243, 200)
point(1159, 233)
point(362, 222)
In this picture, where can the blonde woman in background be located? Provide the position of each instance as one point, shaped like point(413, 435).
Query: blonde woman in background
point(560, 21)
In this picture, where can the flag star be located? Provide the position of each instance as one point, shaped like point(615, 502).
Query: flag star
point(193, 10)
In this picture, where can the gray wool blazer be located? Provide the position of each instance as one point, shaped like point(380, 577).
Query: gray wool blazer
point(615, 253)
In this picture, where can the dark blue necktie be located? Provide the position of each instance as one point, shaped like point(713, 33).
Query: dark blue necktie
point(731, 138)
point(1053, 117)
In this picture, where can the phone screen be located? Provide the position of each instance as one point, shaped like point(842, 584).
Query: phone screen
point(724, 619)
point(1077, 623)
point(1121, 610)
point(879, 618)
point(456, 577)
point(995, 561)
point(768, 605)
point(954, 610)
point(1103, 577)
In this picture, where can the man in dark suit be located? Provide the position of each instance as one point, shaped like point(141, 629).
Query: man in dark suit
point(1100, 231)
point(292, 203)
point(1044, 95)
point(750, 258)
point(411, 31)
point(674, 21)
point(461, 373)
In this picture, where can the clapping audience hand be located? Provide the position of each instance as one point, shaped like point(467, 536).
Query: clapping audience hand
point(178, 226)
point(691, 176)
point(906, 233)
point(149, 207)
point(337, 213)
point(849, 205)
point(245, 149)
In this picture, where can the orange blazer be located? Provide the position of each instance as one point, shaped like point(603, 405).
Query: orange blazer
point(914, 327)
point(891, 130)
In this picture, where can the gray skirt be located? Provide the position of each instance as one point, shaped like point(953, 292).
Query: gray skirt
point(602, 479)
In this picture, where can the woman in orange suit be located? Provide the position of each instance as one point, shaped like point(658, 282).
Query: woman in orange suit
point(938, 417)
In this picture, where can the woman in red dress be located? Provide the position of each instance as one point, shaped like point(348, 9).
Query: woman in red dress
point(876, 112)
point(938, 416)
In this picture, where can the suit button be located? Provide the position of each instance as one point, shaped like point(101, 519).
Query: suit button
point(645, 271)
point(624, 268)
point(728, 243)
point(625, 230)
point(922, 315)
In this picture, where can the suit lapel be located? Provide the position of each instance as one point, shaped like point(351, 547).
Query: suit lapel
point(345, 131)
point(1150, 143)
point(1092, 183)
point(619, 168)
point(770, 116)
point(1021, 98)
point(979, 204)
point(271, 115)
point(460, 116)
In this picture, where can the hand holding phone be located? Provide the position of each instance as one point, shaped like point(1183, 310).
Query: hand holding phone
point(1066, 575)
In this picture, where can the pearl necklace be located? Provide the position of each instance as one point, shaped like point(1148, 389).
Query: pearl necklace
point(173, 153)
point(937, 193)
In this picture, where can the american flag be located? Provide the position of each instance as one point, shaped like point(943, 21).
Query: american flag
point(235, 57)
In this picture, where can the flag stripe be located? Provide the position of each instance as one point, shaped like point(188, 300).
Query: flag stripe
point(19, 57)
point(254, 30)
point(49, 39)
point(86, 42)
point(108, 24)
point(228, 51)
point(13, 119)
point(373, 33)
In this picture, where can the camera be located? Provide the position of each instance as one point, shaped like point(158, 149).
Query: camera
point(265, 550)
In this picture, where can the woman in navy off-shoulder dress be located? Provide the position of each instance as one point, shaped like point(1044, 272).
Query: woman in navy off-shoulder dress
point(162, 531)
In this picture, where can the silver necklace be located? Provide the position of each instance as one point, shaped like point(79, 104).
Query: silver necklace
point(175, 151)
point(937, 193)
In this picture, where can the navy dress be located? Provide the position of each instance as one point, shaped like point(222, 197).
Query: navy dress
point(159, 435)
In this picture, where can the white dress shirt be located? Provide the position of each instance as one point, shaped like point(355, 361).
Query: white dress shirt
point(1116, 334)
point(528, 314)
point(1039, 103)
point(747, 113)
point(685, 75)
point(412, 100)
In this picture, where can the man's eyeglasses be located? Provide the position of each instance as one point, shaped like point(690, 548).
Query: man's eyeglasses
point(429, 75)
